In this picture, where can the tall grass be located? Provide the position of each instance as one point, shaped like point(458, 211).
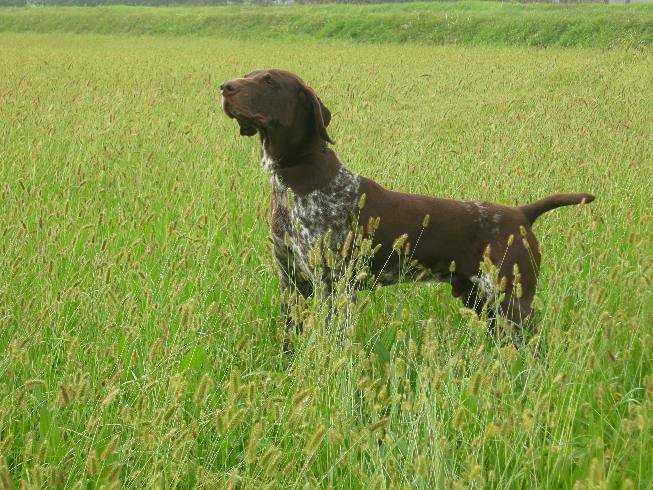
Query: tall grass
point(466, 22)
point(139, 329)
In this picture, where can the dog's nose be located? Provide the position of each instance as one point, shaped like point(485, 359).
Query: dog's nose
point(227, 88)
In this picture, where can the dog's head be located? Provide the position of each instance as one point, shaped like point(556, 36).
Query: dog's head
point(269, 100)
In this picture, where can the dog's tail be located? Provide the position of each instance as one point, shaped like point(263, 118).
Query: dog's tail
point(534, 210)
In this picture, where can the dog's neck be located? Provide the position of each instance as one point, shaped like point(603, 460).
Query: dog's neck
point(304, 169)
point(287, 147)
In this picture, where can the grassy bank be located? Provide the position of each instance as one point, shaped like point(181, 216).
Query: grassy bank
point(140, 338)
point(466, 22)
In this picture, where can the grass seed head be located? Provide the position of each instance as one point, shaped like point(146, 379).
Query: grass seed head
point(517, 290)
point(491, 430)
point(6, 481)
point(253, 441)
point(110, 396)
point(399, 242)
point(458, 418)
point(269, 459)
point(426, 220)
point(474, 383)
point(65, 395)
point(203, 388)
point(315, 440)
point(378, 425)
point(30, 383)
point(232, 483)
point(168, 413)
point(361, 276)
point(515, 271)
point(109, 449)
point(361, 201)
point(373, 225)
point(300, 398)
point(91, 464)
point(347, 244)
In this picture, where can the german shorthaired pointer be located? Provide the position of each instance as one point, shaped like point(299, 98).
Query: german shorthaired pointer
point(450, 238)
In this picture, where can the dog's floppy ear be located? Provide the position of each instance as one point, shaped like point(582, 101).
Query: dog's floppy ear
point(321, 114)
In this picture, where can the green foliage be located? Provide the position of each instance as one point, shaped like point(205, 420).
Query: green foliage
point(467, 22)
point(140, 343)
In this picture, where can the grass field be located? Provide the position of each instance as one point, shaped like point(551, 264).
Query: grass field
point(139, 328)
point(469, 22)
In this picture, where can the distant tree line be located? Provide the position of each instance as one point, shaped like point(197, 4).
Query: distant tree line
point(163, 3)
point(159, 3)
point(153, 3)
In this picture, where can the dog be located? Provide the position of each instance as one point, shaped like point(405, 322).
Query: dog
point(450, 239)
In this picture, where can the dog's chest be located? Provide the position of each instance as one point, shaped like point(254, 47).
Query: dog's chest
point(298, 221)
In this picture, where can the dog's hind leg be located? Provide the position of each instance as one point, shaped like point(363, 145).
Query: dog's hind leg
point(518, 313)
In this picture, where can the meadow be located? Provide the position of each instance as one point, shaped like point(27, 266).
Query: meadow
point(140, 335)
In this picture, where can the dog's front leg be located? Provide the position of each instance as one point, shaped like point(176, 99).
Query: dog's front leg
point(292, 327)
point(291, 285)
